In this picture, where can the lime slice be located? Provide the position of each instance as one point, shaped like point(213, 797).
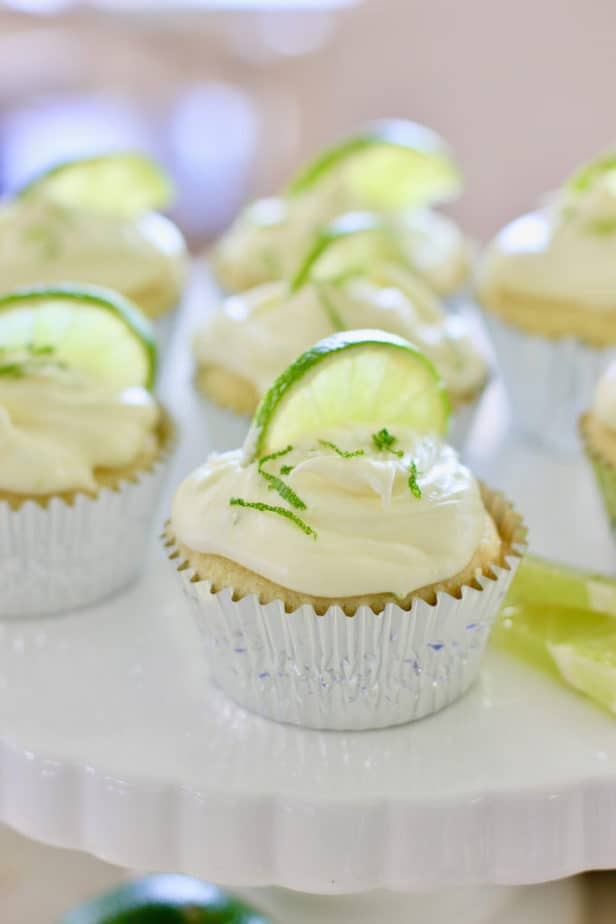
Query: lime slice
point(540, 581)
point(349, 246)
point(392, 164)
point(353, 377)
point(122, 183)
point(584, 178)
point(570, 643)
point(589, 665)
point(90, 330)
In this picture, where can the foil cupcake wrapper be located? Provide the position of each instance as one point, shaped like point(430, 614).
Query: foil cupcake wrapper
point(339, 672)
point(63, 556)
point(605, 476)
point(549, 381)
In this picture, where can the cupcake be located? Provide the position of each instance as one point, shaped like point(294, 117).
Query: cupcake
point(598, 431)
point(83, 447)
point(344, 567)
point(396, 169)
point(92, 221)
point(547, 284)
point(244, 346)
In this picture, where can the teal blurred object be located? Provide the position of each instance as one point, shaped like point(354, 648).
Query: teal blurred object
point(165, 899)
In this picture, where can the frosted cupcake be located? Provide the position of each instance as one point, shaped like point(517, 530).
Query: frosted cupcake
point(92, 221)
point(598, 430)
point(344, 567)
point(397, 169)
point(547, 283)
point(243, 347)
point(82, 447)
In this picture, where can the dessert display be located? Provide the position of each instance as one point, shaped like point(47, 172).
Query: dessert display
point(546, 283)
point(83, 444)
point(396, 169)
point(95, 221)
point(241, 348)
point(343, 565)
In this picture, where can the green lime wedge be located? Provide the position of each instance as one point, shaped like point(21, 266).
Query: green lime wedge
point(570, 643)
point(391, 165)
point(348, 246)
point(87, 329)
point(123, 183)
point(353, 377)
point(541, 581)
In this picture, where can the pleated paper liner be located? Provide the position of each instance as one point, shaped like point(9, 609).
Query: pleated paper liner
point(74, 550)
point(366, 670)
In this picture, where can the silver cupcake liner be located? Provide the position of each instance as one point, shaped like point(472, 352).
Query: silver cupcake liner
point(62, 556)
point(339, 672)
point(549, 381)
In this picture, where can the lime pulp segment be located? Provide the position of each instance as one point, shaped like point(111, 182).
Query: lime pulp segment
point(122, 183)
point(89, 330)
point(541, 581)
point(353, 377)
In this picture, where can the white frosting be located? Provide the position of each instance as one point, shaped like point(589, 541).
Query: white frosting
point(256, 335)
point(271, 237)
point(373, 534)
point(604, 406)
point(56, 429)
point(42, 241)
point(567, 251)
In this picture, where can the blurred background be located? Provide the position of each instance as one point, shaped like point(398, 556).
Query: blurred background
point(231, 94)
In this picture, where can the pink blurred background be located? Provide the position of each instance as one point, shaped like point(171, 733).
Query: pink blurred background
point(231, 94)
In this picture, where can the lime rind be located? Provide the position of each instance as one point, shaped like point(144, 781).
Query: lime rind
point(373, 235)
point(436, 176)
point(124, 183)
point(22, 321)
point(301, 401)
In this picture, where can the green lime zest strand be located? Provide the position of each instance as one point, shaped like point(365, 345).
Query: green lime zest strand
point(342, 452)
point(413, 485)
point(385, 441)
point(32, 354)
point(281, 511)
point(286, 469)
point(277, 484)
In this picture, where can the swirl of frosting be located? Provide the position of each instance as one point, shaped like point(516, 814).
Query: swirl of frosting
point(57, 428)
point(44, 242)
point(269, 238)
point(564, 252)
point(370, 532)
point(257, 334)
point(604, 405)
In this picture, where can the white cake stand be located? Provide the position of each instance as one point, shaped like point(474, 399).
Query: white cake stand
point(113, 743)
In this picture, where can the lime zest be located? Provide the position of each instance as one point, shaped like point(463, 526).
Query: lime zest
point(276, 484)
point(32, 358)
point(602, 226)
point(384, 441)
point(342, 452)
point(413, 484)
point(286, 469)
point(280, 511)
